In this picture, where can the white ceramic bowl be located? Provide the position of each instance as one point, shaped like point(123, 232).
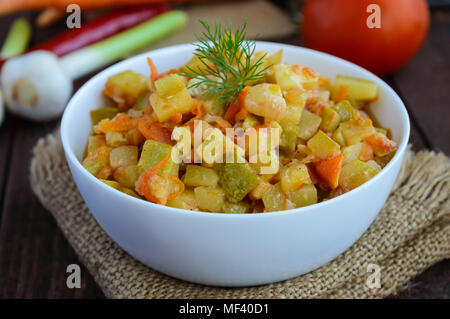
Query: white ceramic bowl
point(225, 249)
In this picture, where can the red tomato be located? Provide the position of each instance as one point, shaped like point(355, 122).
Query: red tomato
point(339, 27)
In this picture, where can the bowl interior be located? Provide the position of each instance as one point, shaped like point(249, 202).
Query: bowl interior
point(76, 124)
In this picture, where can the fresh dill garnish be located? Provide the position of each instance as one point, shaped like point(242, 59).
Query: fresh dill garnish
point(228, 64)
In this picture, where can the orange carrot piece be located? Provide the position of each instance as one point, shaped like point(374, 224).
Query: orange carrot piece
point(381, 146)
point(142, 184)
point(241, 115)
point(176, 117)
point(155, 131)
point(153, 70)
point(180, 184)
point(171, 71)
point(329, 170)
point(234, 108)
point(341, 94)
point(366, 152)
point(223, 125)
point(120, 123)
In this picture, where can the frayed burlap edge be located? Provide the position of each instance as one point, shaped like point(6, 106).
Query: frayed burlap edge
point(410, 234)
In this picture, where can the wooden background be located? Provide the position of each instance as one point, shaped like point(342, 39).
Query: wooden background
point(34, 254)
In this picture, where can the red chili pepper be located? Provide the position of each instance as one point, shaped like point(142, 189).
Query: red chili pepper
point(99, 29)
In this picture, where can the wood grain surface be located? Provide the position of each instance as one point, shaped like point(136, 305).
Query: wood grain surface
point(34, 254)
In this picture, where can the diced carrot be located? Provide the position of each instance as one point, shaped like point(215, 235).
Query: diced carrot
point(258, 127)
point(142, 185)
point(153, 70)
point(312, 174)
point(329, 170)
point(308, 72)
point(234, 108)
point(120, 123)
point(324, 81)
point(241, 115)
point(176, 117)
point(180, 184)
point(366, 152)
point(105, 172)
point(153, 130)
point(380, 144)
point(341, 94)
point(171, 71)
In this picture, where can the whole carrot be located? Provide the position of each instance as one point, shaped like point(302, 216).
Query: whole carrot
point(8, 6)
point(99, 29)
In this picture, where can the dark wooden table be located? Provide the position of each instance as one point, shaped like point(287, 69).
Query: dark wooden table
point(34, 254)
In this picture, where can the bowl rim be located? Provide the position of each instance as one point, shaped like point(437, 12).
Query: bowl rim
point(70, 155)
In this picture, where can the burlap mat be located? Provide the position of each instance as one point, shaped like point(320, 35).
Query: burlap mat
point(411, 233)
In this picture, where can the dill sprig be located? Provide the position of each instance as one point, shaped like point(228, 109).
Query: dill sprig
point(227, 63)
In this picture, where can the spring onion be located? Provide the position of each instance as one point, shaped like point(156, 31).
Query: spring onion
point(17, 39)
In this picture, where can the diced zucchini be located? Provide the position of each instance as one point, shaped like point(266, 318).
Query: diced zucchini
point(355, 173)
point(95, 142)
point(330, 120)
point(355, 131)
point(352, 152)
point(116, 139)
point(236, 208)
point(293, 115)
point(194, 64)
point(127, 175)
point(250, 121)
point(185, 200)
point(120, 188)
point(293, 176)
point(295, 76)
point(169, 85)
point(275, 58)
point(309, 124)
point(212, 106)
point(304, 196)
point(322, 146)
point(154, 152)
point(274, 198)
point(124, 88)
point(237, 180)
point(338, 137)
point(123, 156)
point(358, 89)
point(374, 165)
point(165, 107)
point(200, 176)
point(143, 101)
point(210, 198)
point(135, 137)
point(288, 138)
point(260, 189)
point(103, 113)
point(97, 160)
point(380, 144)
point(345, 110)
point(384, 160)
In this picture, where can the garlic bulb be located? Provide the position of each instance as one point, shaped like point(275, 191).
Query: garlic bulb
point(35, 86)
